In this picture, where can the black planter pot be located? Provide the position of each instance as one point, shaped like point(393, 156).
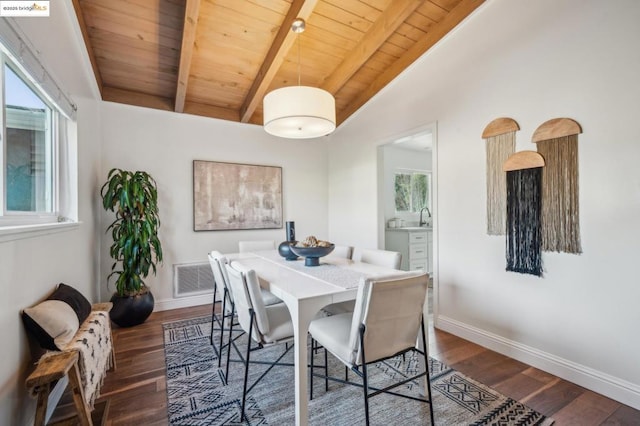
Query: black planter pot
point(128, 311)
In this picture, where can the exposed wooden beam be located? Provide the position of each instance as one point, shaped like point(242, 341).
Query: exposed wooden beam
point(191, 11)
point(211, 111)
point(439, 30)
point(279, 48)
point(112, 94)
point(87, 43)
point(393, 16)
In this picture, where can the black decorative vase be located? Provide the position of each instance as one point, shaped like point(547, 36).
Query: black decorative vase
point(285, 247)
point(291, 231)
point(128, 311)
point(285, 250)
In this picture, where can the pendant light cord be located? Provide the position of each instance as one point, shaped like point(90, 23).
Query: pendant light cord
point(298, 42)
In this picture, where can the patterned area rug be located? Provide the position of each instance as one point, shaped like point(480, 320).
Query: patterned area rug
point(197, 395)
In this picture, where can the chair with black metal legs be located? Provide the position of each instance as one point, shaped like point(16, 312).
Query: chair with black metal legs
point(386, 322)
point(220, 284)
point(218, 264)
point(385, 258)
point(264, 325)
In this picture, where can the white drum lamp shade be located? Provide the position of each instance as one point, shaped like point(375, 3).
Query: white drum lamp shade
point(299, 112)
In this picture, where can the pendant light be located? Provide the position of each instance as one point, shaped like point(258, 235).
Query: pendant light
point(299, 112)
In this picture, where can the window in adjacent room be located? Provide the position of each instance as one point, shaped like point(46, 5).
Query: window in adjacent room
point(412, 191)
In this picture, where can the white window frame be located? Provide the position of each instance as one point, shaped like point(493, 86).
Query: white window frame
point(63, 215)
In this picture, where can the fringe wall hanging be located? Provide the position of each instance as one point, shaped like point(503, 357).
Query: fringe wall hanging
point(557, 142)
point(500, 144)
point(523, 221)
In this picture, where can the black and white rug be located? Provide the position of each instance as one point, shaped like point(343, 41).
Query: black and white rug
point(197, 395)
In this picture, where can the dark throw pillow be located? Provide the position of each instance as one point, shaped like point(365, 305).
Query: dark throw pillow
point(55, 321)
point(73, 298)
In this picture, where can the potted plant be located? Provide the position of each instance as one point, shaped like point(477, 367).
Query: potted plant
point(136, 247)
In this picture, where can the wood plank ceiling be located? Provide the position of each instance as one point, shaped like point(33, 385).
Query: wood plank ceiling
point(218, 58)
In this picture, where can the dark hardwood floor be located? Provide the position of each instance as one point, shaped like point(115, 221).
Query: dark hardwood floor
point(136, 391)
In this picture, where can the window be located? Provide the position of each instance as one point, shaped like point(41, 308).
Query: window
point(36, 190)
point(28, 149)
point(412, 191)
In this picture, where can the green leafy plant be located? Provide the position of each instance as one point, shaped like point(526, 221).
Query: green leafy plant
point(136, 247)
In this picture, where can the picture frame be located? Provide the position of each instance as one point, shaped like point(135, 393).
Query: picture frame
point(236, 196)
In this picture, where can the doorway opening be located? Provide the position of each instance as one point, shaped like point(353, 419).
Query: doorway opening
point(407, 200)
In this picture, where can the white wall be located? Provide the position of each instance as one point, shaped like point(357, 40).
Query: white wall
point(531, 61)
point(165, 144)
point(31, 268)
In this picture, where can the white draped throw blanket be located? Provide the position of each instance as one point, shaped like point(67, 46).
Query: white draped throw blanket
point(93, 342)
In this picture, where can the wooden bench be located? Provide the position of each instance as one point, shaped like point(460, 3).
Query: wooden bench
point(55, 366)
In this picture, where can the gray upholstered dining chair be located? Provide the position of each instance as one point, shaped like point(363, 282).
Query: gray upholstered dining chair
point(386, 258)
point(264, 325)
point(387, 319)
point(218, 264)
point(256, 245)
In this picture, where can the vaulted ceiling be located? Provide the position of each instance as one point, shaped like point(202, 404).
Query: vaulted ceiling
point(218, 58)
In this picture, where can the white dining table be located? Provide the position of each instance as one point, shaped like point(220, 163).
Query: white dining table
point(306, 290)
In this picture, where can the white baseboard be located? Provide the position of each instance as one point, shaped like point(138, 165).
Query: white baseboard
point(613, 387)
point(183, 302)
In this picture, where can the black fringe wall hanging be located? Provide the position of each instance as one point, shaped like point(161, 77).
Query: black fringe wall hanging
point(524, 205)
point(500, 136)
point(557, 142)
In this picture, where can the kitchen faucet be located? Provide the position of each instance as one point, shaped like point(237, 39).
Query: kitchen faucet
point(422, 222)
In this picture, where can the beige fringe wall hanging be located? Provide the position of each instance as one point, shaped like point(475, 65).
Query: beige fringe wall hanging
point(500, 144)
point(524, 210)
point(557, 142)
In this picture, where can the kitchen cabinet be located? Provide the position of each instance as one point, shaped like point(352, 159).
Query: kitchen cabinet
point(416, 246)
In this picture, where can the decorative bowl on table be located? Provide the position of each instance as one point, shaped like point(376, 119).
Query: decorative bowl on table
point(312, 254)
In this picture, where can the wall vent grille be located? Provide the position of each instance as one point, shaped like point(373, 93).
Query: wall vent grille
point(190, 279)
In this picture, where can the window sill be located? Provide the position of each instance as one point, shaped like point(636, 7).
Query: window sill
point(10, 233)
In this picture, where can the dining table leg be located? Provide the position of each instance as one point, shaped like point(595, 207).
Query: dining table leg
point(302, 313)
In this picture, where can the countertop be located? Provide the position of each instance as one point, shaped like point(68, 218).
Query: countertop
point(410, 229)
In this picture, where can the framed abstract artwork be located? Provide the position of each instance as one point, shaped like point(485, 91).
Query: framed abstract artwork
point(231, 196)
